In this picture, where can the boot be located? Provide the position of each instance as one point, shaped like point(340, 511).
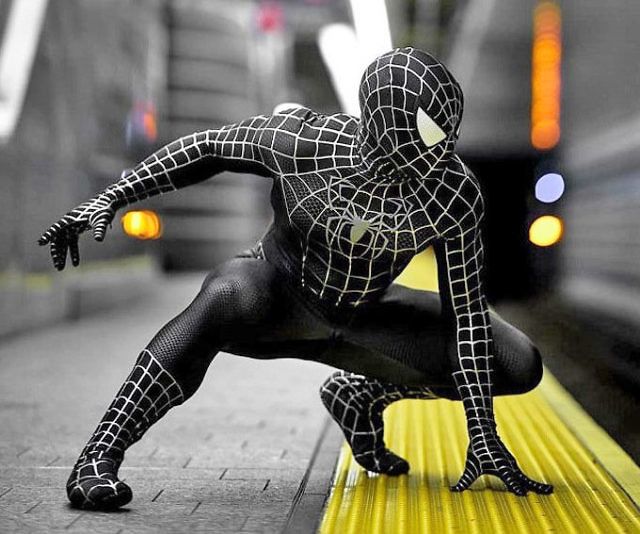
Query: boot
point(356, 403)
point(147, 394)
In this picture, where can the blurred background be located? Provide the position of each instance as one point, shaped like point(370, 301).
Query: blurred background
point(552, 128)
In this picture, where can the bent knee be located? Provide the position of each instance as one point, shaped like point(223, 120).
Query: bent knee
point(237, 297)
point(518, 366)
point(231, 301)
point(532, 374)
point(527, 371)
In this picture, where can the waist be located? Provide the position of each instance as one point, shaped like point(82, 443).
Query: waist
point(290, 267)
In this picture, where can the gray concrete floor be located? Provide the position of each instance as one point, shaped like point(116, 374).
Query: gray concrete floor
point(234, 458)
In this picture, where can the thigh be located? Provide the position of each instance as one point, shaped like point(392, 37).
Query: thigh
point(405, 327)
point(387, 341)
point(273, 322)
point(373, 364)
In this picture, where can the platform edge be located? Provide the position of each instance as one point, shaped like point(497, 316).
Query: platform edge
point(613, 459)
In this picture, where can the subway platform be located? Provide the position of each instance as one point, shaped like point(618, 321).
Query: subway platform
point(254, 451)
point(243, 455)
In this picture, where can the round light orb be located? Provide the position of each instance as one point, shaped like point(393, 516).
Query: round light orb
point(549, 187)
point(546, 230)
point(144, 224)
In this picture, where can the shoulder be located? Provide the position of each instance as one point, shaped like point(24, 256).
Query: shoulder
point(294, 119)
point(300, 140)
point(309, 122)
point(458, 172)
point(301, 122)
point(459, 175)
point(458, 168)
point(318, 134)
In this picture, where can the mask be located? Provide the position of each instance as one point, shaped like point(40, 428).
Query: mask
point(411, 111)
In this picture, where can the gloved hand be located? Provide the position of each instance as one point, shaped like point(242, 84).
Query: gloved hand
point(96, 214)
point(487, 455)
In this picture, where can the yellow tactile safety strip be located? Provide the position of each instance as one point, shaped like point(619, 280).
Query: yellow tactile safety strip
point(431, 436)
point(553, 439)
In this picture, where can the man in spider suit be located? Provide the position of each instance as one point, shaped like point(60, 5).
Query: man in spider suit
point(354, 200)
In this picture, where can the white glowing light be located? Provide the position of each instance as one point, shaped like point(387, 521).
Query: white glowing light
point(371, 22)
point(338, 47)
point(348, 50)
point(17, 55)
point(430, 133)
point(549, 187)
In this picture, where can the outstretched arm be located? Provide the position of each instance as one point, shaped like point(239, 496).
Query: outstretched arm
point(260, 145)
point(461, 261)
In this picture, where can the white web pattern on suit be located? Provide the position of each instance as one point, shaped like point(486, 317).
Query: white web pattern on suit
point(382, 159)
point(147, 394)
point(356, 403)
point(408, 223)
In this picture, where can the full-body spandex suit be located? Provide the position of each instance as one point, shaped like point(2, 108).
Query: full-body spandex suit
point(354, 201)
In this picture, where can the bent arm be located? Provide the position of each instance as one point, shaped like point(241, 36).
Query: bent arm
point(260, 145)
point(248, 146)
point(461, 261)
point(463, 298)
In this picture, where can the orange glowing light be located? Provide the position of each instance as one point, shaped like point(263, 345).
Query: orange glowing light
point(546, 230)
point(547, 16)
point(142, 224)
point(546, 76)
point(546, 51)
point(545, 134)
point(541, 110)
point(150, 125)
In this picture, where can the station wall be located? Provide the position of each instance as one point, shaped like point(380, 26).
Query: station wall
point(600, 257)
point(95, 63)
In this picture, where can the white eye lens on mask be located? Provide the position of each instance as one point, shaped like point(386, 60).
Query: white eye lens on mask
point(430, 133)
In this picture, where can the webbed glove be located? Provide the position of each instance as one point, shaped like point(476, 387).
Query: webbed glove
point(97, 214)
point(488, 455)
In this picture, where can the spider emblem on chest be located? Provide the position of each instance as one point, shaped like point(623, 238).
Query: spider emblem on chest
point(363, 220)
point(359, 227)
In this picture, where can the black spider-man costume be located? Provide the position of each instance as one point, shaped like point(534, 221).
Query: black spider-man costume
point(354, 201)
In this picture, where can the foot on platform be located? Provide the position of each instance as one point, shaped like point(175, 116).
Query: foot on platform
point(94, 485)
point(382, 461)
point(356, 403)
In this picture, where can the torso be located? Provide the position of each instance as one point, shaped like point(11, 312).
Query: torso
point(347, 235)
